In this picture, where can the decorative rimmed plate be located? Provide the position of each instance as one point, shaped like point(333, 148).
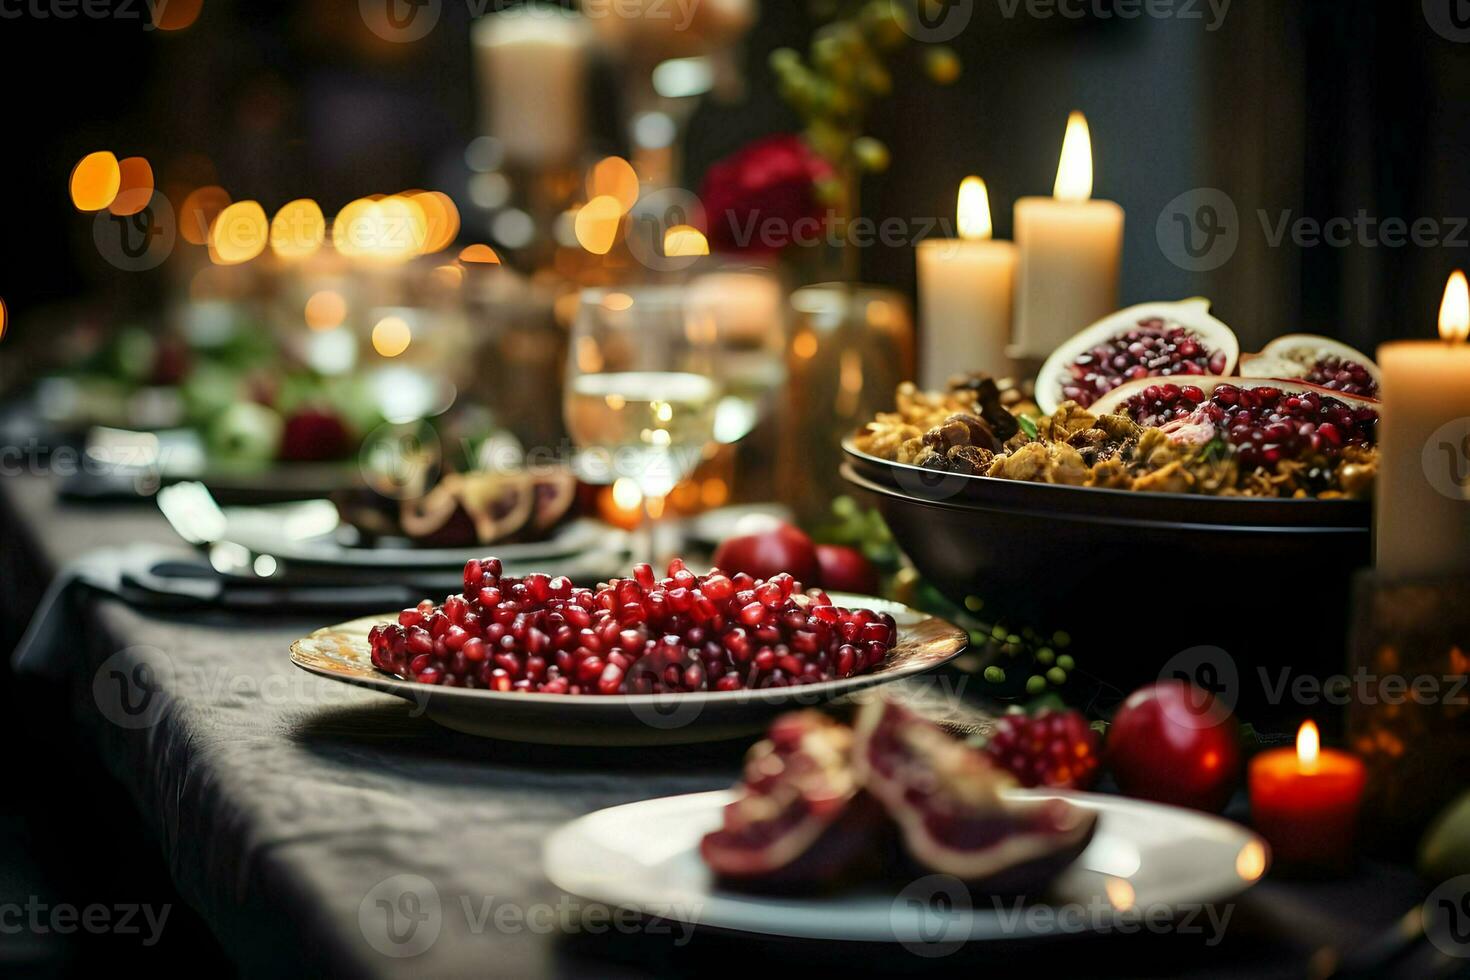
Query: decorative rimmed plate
point(1148, 866)
point(341, 653)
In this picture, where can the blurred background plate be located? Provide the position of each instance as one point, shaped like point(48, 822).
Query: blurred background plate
point(311, 532)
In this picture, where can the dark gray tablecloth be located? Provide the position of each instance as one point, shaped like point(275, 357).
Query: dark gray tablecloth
point(283, 803)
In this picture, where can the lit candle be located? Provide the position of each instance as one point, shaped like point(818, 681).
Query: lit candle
point(1305, 801)
point(1423, 492)
point(533, 72)
point(1071, 249)
point(965, 291)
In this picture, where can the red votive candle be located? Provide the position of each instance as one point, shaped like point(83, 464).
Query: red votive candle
point(1305, 802)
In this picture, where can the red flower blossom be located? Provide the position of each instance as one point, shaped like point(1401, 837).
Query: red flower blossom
point(770, 185)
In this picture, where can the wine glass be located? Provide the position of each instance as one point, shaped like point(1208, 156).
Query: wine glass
point(745, 310)
point(640, 396)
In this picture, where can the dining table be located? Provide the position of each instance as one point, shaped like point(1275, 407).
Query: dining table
point(292, 812)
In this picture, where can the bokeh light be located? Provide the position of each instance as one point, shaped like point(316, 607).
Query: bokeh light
point(325, 310)
point(479, 255)
point(175, 15)
point(381, 229)
point(598, 223)
point(298, 229)
point(391, 336)
point(4, 318)
point(441, 220)
point(95, 181)
point(239, 234)
point(135, 186)
point(448, 276)
point(685, 241)
point(201, 208)
point(614, 177)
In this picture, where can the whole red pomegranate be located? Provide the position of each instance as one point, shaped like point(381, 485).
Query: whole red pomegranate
point(845, 569)
point(1174, 743)
point(782, 549)
point(770, 183)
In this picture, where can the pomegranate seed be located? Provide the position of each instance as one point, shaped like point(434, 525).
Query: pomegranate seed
point(474, 574)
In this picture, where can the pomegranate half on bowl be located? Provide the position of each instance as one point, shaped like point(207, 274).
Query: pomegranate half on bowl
point(1151, 340)
point(1265, 423)
point(1317, 360)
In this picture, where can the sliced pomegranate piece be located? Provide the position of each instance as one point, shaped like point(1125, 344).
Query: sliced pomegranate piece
point(946, 798)
point(802, 821)
point(1264, 421)
point(1318, 360)
point(1147, 341)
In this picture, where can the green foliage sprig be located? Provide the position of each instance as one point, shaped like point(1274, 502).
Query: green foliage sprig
point(849, 66)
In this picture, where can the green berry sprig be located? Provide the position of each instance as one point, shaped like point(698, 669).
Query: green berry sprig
point(848, 67)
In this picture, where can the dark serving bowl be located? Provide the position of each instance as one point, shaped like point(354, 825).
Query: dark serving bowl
point(1143, 581)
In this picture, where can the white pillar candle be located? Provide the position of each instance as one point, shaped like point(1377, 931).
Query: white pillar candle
point(532, 64)
point(965, 293)
point(1071, 250)
point(1423, 492)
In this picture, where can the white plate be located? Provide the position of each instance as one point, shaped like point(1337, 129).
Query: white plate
point(1145, 860)
point(342, 653)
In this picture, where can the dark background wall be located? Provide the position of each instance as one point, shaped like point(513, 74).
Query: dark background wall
point(1294, 108)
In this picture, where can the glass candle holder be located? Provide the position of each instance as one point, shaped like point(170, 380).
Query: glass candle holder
point(1409, 713)
point(851, 346)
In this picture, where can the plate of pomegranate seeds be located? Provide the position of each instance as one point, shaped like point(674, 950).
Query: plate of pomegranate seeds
point(635, 661)
point(892, 831)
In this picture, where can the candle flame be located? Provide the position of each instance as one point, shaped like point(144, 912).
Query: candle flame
point(1074, 172)
point(974, 210)
point(1308, 744)
point(1454, 313)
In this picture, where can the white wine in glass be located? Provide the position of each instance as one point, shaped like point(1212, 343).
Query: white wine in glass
point(641, 394)
point(648, 426)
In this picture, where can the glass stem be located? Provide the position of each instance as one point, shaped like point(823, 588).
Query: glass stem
point(652, 509)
